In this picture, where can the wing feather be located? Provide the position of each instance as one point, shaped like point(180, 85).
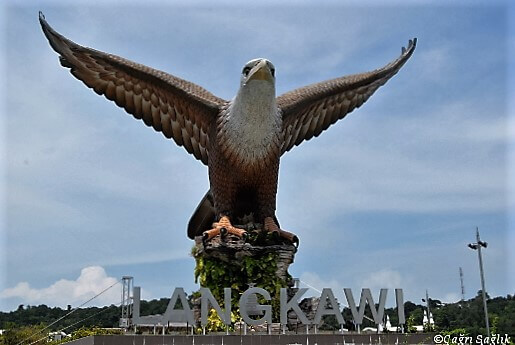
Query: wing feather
point(310, 110)
point(181, 110)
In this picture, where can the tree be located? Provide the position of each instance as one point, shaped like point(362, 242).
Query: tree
point(27, 334)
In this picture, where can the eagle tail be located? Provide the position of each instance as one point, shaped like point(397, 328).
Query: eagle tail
point(203, 217)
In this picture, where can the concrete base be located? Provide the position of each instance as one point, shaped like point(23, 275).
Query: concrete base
point(290, 339)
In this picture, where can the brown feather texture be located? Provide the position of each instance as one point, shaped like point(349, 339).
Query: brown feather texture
point(310, 110)
point(179, 109)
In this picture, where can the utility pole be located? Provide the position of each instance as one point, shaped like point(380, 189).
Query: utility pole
point(477, 246)
point(462, 285)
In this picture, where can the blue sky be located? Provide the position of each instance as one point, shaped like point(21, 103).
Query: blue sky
point(388, 197)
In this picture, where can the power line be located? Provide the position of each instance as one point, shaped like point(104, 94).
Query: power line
point(312, 287)
point(68, 314)
point(76, 323)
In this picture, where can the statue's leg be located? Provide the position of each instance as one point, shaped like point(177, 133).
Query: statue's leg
point(223, 188)
point(267, 194)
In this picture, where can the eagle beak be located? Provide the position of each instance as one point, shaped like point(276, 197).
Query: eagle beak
point(260, 72)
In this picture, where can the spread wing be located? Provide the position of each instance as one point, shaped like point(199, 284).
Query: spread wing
point(179, 109)
point(312, 109)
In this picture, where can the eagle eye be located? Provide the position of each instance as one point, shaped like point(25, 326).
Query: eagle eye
point(246, 70)
point(272, 70)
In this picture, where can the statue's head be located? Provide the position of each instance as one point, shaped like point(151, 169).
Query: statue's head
point(258, 70)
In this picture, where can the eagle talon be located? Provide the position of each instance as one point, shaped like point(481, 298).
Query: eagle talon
point(271, 226)
point(295, 242)
point(208, 235)
point(223, 228)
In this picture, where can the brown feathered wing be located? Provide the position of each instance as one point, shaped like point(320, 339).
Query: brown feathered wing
point(179, 109)
point(310, 110)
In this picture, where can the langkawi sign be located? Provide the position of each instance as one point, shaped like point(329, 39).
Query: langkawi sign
point(249, 307)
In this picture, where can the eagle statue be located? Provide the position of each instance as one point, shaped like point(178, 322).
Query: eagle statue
point(242, 140)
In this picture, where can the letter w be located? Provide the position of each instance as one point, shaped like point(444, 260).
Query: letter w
point(366, 297)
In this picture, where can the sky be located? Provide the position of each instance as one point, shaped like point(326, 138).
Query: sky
point(389, 197)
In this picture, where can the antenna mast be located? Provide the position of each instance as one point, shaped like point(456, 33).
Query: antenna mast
point(462, 285)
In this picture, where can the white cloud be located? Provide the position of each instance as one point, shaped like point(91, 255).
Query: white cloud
point(383, 279)
point(92, 281)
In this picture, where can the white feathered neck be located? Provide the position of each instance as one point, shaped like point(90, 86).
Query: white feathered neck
point(252, 122)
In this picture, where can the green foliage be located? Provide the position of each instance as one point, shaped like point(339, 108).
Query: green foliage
point(215, 324)
point(39, 334)
point(31, 315)
point(104, 317)
point(216, 274)
point(154, 307)
point(329, 323)
point(27, 334)
point(456, 332)
point(469, 316)
point(410, 324)
point(87, 332)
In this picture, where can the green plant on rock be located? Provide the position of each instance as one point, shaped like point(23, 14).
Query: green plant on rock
point(215, 324)
point(259, 271)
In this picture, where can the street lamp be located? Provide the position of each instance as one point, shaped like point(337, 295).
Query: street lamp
point(477, 246)
point(429, 328)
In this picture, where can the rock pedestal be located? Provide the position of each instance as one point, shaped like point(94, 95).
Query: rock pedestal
point(232, 250)
point(262, 260)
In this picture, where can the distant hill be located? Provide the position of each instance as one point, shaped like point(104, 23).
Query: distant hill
point(107, 316)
